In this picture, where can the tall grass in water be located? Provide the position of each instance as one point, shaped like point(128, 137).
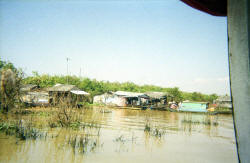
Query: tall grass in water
point(84, 143)
point(21, 131)
point(153, 130)
point(206, 122)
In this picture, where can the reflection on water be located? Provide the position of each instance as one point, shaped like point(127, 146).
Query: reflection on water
point(130, 136)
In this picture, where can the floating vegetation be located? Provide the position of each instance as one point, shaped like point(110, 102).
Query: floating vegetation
point(206, 122)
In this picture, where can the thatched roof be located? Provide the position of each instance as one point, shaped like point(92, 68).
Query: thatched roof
point(130, 94)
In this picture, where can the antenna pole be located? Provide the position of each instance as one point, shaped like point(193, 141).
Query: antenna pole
point(80, 73)
point(67, 70)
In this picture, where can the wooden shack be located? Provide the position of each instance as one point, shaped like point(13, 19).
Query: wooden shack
point(66, 94)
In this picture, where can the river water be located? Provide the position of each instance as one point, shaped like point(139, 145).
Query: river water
point(125, 135)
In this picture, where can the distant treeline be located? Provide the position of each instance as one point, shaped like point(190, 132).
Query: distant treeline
point(95, 87)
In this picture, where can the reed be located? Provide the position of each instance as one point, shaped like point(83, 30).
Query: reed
point(154, 131)
point(84, 143)
point(205, 122)
point(20, 131)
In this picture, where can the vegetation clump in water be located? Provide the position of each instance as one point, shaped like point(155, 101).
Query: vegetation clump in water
point(206, 122)
point(84, 143)
point(154, 131)
point(21, 131)
point(120, 139)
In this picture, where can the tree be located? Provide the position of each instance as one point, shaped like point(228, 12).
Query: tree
point(176, 93)
point(95, 87)
point(196, 96)
point(10, 85)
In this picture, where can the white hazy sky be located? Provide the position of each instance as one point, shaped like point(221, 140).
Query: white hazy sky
point(165, 43)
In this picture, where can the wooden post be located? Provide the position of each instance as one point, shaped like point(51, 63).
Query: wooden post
point(239, 62)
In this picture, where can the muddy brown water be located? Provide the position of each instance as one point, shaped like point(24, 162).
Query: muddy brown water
point(122, 137)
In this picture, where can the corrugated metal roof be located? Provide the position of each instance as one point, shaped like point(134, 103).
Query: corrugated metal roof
point(157, 95)
point(129, 94)
point(80, 92)
point(63, 88)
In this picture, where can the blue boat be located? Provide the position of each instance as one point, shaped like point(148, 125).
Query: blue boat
point(193, 107)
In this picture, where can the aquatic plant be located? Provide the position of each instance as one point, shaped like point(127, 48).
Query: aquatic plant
point(22, 111)
point(105, 111)
point(8, 128)
point(205, 122)
point(153, 131)
point(120, 139)
point(158, 132)
point(52, 124)
point(21, 131)
point(223, 110)
point(84, 143)
point(147, 128)
point(75, 125)
point(43, 113)
point(91, 124)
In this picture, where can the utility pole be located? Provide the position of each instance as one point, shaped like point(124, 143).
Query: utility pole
point(80, 73)
point(67, 70)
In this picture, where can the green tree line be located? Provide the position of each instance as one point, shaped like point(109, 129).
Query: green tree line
point(95, 87)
